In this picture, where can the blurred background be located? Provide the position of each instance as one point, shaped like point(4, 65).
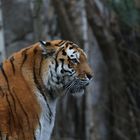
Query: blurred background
point(109, 32)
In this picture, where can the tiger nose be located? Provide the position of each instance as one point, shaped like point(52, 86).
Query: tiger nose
point(89, 76)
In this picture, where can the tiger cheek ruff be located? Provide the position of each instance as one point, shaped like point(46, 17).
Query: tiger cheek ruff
point(32, 80)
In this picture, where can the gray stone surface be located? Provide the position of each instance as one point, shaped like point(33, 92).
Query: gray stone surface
point(17, 24)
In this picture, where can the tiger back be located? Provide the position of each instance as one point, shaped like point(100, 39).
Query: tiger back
point(31, 82)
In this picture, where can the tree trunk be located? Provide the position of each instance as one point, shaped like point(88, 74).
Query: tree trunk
point(37, 19)
point(2, 46)
point(66, 24)
point(119, 97)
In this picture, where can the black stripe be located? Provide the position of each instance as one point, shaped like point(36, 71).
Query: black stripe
point(4, 74)
point(10, 113)
point(12, 64)
point(1, 65)
point(69, 66)
point(67, 44)
point(24, 54)
point(26, 114)
point(39, 123)
point(71, 47)
point(43, 92)
point(13, 100)
point(0, 135)
point(51, 73)
point(40, 67)
point(33, 133)
point(35, 51)
point(64, 70)
point(63, 52)
point(7, 137)
point(62, 61)
point(48, 44)
point(34, 136)
point(50, 92)
point(2, 92)
point(71, 43)
point(10, 95)
point(56, 65)
point(10, 104)
point(61, 43)
point(19, 121)
point(24, 59)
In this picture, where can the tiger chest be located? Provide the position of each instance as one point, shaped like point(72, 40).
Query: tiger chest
point(46, 120)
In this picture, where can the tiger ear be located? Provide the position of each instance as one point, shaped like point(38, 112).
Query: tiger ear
point(44, 43)
point(48, 49)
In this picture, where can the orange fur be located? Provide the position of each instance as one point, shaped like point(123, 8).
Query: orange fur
point(19, 109)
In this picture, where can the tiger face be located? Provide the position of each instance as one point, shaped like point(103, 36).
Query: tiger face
point(68, 69)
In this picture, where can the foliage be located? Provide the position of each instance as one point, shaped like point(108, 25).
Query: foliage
point(126, 11)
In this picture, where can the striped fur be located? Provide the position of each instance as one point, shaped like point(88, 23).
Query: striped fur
point(32, 80)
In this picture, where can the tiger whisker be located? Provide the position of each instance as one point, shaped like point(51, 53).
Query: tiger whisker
point(70, 86)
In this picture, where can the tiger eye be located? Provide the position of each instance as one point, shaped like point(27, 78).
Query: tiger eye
point(74, 61)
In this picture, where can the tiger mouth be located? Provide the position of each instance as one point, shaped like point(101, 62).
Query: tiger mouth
point(76, 86)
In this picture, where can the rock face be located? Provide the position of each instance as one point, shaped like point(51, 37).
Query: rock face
point(23, 19)
point(17, 24)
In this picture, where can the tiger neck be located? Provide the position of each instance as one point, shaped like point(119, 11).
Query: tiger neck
point(48, 103)
point(47, 118)
point(52, 82)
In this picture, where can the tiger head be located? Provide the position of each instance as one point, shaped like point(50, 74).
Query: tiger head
point(69, 70)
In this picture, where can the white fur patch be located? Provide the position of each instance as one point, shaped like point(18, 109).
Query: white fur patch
point(79, 94)
point(71, 54)
point(44, 130)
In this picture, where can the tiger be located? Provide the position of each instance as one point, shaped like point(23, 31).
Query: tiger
point(32, 81)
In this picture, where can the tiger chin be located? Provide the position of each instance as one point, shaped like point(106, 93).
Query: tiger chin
point(31, 82)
